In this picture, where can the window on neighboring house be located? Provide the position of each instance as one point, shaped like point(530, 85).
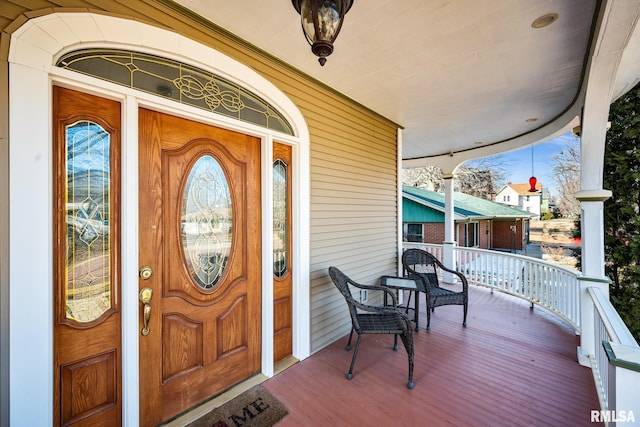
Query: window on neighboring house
point(413, 233)
point(471, 231)
point(506, 198)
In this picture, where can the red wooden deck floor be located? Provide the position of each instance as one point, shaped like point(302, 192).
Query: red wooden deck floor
point(512, 366)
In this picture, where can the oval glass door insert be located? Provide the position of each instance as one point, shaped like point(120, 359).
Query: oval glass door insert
point(206, 222)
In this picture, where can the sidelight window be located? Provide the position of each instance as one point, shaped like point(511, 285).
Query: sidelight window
point(88, 292)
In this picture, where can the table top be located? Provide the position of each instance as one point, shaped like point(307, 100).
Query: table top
point(398, 282)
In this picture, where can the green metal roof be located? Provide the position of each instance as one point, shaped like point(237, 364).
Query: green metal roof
point(420, 205)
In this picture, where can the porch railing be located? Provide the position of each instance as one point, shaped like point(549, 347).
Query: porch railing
point(549, 285)
point(615, 362)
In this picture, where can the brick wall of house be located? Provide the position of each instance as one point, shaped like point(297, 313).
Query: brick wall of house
point(483, 237)
point(434, 232)
point(460, 236)
point(502, 236)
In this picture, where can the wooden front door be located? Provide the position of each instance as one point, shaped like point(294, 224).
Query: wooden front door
point(282, 246)
point(200, 251)
point(87, 315)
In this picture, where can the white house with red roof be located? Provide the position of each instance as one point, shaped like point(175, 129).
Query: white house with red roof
point(519, 196)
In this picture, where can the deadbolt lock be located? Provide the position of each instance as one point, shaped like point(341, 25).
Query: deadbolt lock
point(145, 272)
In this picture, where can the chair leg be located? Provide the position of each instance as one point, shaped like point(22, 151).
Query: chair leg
point(464, 319)
point(416, 310)
point(349, 342)
point(353, 359)
point(429, 311)
point(407, 340)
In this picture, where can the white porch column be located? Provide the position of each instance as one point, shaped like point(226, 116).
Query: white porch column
point(592, 230)
point(592, 197)
point(449, 226)
point(600, 78)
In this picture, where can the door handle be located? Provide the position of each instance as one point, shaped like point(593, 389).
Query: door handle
point(145, 298)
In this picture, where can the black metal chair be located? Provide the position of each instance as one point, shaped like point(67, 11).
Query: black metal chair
point(420, 264)
point(369, 319)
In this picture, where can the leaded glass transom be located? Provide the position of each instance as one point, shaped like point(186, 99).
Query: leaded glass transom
point(206, 222)
point(178, 81)
point(88, 273)
point(280, 218)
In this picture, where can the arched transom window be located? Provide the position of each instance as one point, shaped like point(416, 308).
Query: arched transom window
point(178, 81)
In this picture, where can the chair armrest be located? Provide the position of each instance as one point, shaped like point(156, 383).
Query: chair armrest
point(424, 280)
point(381, 309)
point(461, 276)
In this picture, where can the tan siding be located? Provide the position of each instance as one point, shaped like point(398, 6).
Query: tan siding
point(353, 212)
point(352, 160)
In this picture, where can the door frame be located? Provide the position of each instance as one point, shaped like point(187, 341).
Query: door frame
point(33, 74)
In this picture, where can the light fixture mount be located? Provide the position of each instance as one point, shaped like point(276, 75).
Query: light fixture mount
point(321, 22)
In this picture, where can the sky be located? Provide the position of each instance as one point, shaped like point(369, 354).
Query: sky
point(517, 164)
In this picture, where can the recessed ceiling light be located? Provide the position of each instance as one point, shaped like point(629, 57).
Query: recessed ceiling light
point(545, 20)
point(531, 120)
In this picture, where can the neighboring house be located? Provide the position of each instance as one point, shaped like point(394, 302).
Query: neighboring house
point(478, 222)
point(519, 196)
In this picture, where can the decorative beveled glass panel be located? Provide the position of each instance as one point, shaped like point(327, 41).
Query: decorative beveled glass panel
point(178, 81)
point(88, 287)
point(207, 222)
point(280, 218)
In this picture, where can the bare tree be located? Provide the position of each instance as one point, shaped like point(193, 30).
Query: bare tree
point(481, 178)
point(478, 181)
point(429, 178)
point(566, 171)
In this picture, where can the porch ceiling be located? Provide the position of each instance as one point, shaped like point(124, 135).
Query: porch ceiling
point(462, 77)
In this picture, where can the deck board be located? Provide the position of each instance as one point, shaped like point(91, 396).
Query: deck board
point(512, 366)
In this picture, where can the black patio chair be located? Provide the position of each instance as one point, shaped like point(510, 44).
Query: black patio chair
point(369, 319)
point(420, 264)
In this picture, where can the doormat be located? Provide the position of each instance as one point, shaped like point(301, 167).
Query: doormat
point(255, 407)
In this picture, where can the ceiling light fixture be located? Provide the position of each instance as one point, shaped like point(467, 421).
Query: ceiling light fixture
point(545, 20)
point(321, 23)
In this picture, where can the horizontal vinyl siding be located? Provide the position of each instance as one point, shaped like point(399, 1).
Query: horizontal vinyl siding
point(353, 218)
point(353, 160)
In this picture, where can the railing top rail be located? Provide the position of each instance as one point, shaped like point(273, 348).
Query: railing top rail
point(495, 253)
point(613, 323)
